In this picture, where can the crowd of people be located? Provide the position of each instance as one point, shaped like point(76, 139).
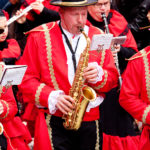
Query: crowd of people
point(73, 97)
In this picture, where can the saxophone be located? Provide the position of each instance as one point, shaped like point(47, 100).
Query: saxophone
point(82, 94)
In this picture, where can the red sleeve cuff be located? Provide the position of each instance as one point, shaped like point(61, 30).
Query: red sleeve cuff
point(42, 94)
point(101, 83)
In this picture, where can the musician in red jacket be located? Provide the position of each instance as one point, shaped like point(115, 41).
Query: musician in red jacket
point(135, 92)
point(13, 133)
point(117, 123)
point(52, 54)
point(9, 48)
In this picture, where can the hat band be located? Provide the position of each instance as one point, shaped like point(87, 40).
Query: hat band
point(71, 3)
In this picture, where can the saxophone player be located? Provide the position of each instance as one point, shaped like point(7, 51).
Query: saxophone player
point(113, 116)
point(52, 55)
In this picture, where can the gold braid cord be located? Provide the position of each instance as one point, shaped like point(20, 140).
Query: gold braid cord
point(147, 79)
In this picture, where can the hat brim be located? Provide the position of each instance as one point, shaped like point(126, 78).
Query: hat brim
point(73, 4)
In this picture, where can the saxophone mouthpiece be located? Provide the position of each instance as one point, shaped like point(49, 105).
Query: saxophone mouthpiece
point(80, 29)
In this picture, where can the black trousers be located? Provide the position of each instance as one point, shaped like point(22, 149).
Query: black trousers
point(3, 142)
point(87, 137)
point(115, 120)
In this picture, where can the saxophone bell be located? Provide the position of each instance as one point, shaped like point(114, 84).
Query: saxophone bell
point(74, 118)
point(88, 93)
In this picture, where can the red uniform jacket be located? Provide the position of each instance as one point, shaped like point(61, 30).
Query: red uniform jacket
point(120, 28)
point(13, 50)
point(47, 70)
point(15, 131)
point(135, 92)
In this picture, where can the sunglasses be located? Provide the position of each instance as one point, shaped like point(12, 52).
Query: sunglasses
point(1, 31)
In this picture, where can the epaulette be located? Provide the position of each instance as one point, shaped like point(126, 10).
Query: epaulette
point(41, 28)
point(139, 55)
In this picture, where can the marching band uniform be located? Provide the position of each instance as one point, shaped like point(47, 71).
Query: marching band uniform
point(15, 131)
point(134, 95)
point(15, 134)
point(118, 125)
point(47, 72)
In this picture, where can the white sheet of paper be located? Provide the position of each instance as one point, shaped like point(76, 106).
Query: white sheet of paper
point(13, 74)
point(101, 41)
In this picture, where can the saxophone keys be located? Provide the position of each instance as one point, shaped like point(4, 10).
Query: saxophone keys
point(80, 79)
point(75, 94)
point(69, 113)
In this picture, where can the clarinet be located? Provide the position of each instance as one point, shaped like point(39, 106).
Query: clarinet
point(112, 48)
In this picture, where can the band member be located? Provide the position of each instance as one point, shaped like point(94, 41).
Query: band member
point(117, 123)
point(13, 133)
point(52, 55)
point(134, 96)
point(138, 68)
point(9, 48)
point(35, 17)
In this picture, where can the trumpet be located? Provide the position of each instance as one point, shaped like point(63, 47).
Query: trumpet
point(14, 18)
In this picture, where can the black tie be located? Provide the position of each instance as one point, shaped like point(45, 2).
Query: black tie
point(70, 47)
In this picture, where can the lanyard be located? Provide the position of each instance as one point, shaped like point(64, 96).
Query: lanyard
point(70, 48)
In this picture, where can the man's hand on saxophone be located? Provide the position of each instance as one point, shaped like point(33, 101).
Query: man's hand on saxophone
point(65, 103)
point(93, 73)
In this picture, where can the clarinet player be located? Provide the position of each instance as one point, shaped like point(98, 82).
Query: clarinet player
point(52, 54)
point(117, 123)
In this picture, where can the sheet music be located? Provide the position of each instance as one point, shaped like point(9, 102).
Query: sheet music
point(101, 41)
point(13, 74)
point(118, 40)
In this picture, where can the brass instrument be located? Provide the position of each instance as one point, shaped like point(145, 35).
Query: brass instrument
point(112, 49)
point(81, 93)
